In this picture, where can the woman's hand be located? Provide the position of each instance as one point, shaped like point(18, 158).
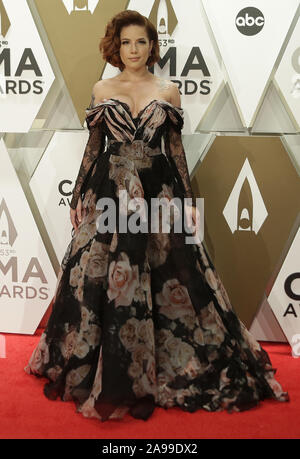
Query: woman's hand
point(76, 214)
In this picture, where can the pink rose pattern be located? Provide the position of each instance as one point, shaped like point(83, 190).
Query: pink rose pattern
point(143, 320)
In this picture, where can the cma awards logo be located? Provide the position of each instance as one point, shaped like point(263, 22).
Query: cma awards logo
point(8, 232)
point(250, 21)
point(65, 196)
point(163, 16)
point(13, 78)
point(74, 6)
point(19, 285)
point(245, 209)
point(4, 21)
point(289, 287)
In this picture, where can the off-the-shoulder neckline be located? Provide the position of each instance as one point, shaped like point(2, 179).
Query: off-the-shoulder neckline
point(180, 109)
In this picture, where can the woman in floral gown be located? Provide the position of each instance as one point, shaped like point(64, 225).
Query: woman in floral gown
point(142, 319)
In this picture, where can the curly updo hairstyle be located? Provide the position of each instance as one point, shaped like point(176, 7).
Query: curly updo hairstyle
point(110, 44)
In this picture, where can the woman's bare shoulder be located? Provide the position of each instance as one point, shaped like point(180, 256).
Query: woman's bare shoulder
point(163, 84)
point(169, 90)
point(101, 88)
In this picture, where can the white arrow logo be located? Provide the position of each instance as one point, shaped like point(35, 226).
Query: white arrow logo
point(256, 213)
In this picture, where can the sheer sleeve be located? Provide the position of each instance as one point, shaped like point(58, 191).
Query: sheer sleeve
point(176, 156)
point(94, 147)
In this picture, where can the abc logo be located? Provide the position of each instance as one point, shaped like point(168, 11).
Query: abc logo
point(249, 21)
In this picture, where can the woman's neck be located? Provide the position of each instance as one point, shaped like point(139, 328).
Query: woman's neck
point(142, 74)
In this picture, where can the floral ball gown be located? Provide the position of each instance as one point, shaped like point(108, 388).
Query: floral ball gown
point(142, 319)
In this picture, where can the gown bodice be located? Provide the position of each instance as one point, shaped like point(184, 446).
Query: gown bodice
point(148, 126)
point(112, 119)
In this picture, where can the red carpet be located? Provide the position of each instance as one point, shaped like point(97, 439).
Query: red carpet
point(26, 413)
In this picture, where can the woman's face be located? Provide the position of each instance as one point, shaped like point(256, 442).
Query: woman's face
point(134, 43)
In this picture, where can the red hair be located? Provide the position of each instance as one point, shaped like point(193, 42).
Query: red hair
point(110, 44)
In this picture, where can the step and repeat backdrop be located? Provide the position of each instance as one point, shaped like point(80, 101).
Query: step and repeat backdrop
point(237, 66)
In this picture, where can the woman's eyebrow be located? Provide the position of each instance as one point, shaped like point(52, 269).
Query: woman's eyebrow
point(129, 38)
